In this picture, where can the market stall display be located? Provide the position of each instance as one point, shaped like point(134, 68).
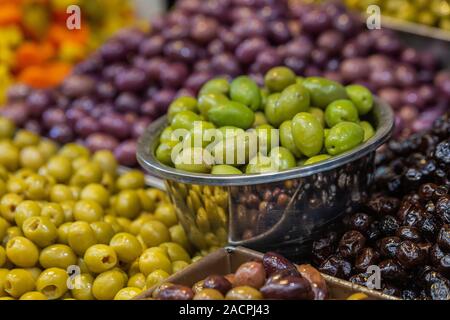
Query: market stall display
point(66, 214)
point(404, 228)
point(37, 48)
point(243, 274)
point(113, 95)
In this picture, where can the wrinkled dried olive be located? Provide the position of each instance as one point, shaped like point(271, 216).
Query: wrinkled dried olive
point(443, 238)
point(388, 246)
point(367, 257)
point(391, 270)
point(409, 233)
point(351, 243)
point(409, 254)
point(389, 225)
point(359, 222)
point(336, 267)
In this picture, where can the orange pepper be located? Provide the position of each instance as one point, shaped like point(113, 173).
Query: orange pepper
point(57, 34)
point(34, 76)
point(10, 13)
point(58, 71)
point(30, 53)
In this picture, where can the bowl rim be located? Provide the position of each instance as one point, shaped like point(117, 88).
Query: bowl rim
point(148, 143)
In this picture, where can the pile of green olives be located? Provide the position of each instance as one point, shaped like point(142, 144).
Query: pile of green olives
point(237, 127)
point(71, 227)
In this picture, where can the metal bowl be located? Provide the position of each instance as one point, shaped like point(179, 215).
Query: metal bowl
point(281, 211)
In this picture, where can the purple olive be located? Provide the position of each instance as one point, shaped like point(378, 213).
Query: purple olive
point(86, 126)
point(101, 141)
point(316, 21)
point(152, 46)
point(354, 68)
point(115, 125)
point(247, 51)
point(331, 41)
point(61, 133)
point(127, 101)
point(273, 263)
point(131, 80)
point(17, 112)
point(113, 51)
point(125, 153)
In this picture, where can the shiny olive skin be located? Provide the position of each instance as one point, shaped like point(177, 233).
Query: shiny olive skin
point(185, 120)
point(176, 252)
point(166, 214)
point(181, 104)
point(232, 113)
point(126, 246)
point(343, 137)
point(150, 261)
point(22, 252)
point(107, 284)
point(287, 138)
point(81, 237)
point(53, 283)
point(369, 131)
point(282, 158)
point(209, 294)
point(339, 111)
point(40, 230)
point(278, 78)
point(82, 287)
point(33, 295)
point(323, 91)
point(319, 114)
point(17, 282)
point(210, 100)
point(260, 119)
point(244, 90)
point(293, 99)
point(308, 134)
point(133, 179)
point(25, 210)
point(268, 137)
point(127, 204)
point(58, 256)
point(260, 164)
point(100, 258)
point(87, 210)
point(271, 109)
point(236, 148)
point(194, 160)
point(96, 192)
point(202, 134)
point(250, 274)
point(7, 128)
point(243, 293)
point(218, 85)
point(103, 231)
point(224, 169)
point(127, 293)
point(361, 97)
point(315, 159)
point(156, 277)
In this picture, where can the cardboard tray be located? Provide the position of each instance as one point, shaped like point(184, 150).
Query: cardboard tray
point(228, 260)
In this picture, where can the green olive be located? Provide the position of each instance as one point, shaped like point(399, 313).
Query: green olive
point(315, 159)
point(209, 294)
point(232, 113)
point(154, 233)
point(126, 246)
point(87, 210)
point(287, 138)
point(33, 295)
point(137, 280)
point(127, 204)
point(100, 258)
point(339, 111)
point(53, 283)
point(260, 164)
point(106, 160)
point(245, 90)
point(81, 237)
point(185, 120)
point(22, 252)
point(41, 230)
point(31, 158)
point(9, 155)
point(74, 151)
point(127, 293)
point(307, 133)
point(224, 169)
point(179, 265)
point(236, 149)
point(82, 287)
point(210, 100)
point(324, 91)
point(164, 152)
point(61, 192)
point(181, 104)
point(361, 97)
point(244, 293)
point(96, 192)
point(60, 168)
point(278, 78)
point(282, 158)
point(176, 252)
point(343, 137)
point(194, 160)
point(260, 119)
point(24, 138)
point(103, 231)
point(150, 261)
point(18, 282)
point(268, 138)
point(7, 128)
point(319, 114)
point(293, 99)
point(54, 212)
point(58, 256)
point(165, 213)
point(217, 85)
point(133, 179)
point(369, 131)
point(25, 210)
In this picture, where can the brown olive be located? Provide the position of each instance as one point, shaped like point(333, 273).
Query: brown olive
point(388, 246)
point(280, 286)
point(359, 222)
point(176, 292)
point(273, 262)
point(218, 283)
point(366, 258)
point(410, 255)
point(250, 274)
point(443, 238)
point(409, 233)
point(351, 244)
point(315, 279)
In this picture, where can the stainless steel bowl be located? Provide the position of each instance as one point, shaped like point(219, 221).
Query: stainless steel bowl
point(281, 211)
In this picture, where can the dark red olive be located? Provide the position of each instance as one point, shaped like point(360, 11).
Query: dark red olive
point(366, 258)
point(388, 246)
point(337, 267)
point(410, 255)
point(287, 288)
point(175, 292)
point(219, 283)
point(274, 262)
point(351, 244)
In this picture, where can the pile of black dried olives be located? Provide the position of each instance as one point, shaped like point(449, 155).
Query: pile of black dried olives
point(404, 228)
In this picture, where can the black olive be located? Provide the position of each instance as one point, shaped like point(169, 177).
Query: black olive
point(443, 238)
point(337, 267)
point(359, 222)
point(389, 225)
point(388, 247)
point(391, 270)
point(351, 243)
point(409, 233)
point(443, 208)
point(410, 255)
point(366, 258)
